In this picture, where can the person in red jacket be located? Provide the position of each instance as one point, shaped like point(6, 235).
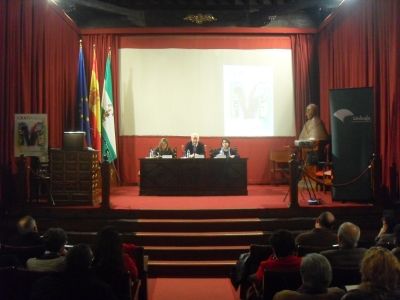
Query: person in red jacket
point(111, 259)
point(283, 257)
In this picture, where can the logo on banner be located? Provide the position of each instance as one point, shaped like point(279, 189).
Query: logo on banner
point(343, 113)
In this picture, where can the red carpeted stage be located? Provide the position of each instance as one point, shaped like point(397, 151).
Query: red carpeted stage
point(259, 197)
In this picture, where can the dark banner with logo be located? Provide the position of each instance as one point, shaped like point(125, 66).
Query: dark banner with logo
point(353, 143)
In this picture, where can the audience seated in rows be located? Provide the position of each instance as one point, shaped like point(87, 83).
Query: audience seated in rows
point(27, 233)
point(380, 271)
point(347, 255)
point(316, 276)
point(385, 237)
point(53, 259)
point(77, 282)
point(321, 236)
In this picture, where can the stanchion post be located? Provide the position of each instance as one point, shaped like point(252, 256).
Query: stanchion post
point(105, 178)
point(293, 181)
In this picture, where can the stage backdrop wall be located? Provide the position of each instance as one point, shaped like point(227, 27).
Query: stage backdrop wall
point(353, 143)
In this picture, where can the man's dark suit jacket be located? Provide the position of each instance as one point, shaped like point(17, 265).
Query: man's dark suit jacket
point(199, 149)
point(345, 257)
point(318, 237)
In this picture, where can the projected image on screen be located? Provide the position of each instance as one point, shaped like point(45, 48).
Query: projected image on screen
point(248, 101)
point(214, 92)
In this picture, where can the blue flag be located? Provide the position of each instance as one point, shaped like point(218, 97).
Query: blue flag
point(83, 102)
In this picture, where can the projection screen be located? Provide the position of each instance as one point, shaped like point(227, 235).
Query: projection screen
point(214, 92)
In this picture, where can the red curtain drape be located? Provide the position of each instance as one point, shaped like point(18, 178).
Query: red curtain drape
point(360, 48)
point(305, 75)
point(38, 70)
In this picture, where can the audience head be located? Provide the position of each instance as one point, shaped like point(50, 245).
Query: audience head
point(195, 138)
point(282, 242)
point(163, 144)
point(316, 272)
point(325, 220)
point(108, 251)
point(79, 259)
point(55, 239)
point(348, 235)
point(26, 225)
point(380, 269)
point(311, 111)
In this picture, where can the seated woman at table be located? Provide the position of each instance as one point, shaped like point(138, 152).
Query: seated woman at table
point(226, 150)
point(163, 148)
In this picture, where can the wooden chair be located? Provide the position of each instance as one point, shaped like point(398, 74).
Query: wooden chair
point(323, 170)
point(40, 181)
point(279, 165)
point(274, 282)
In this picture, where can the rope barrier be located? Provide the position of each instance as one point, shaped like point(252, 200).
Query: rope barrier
point(319, 181)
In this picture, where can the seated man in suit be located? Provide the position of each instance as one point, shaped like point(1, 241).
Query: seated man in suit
point(226, 150)
point(348, 255)
point(321, 235)
point(194, 146)
point(163, 148)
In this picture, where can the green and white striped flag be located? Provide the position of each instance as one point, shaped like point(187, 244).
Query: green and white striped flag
point(109, 147)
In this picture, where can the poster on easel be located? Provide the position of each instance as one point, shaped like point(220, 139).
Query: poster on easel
point(31, 135)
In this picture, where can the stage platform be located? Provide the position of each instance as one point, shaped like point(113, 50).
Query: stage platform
point(259, 197)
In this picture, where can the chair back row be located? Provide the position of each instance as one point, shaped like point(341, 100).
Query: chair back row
point(22, 253)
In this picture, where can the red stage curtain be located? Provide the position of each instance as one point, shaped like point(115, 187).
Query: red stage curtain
point(360, 48)
point(305, 75)
point(38, 69)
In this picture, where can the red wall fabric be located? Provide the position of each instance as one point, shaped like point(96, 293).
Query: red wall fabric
point(305, 75)
point(207, 42)
point(360, 48)
point(38, 70)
